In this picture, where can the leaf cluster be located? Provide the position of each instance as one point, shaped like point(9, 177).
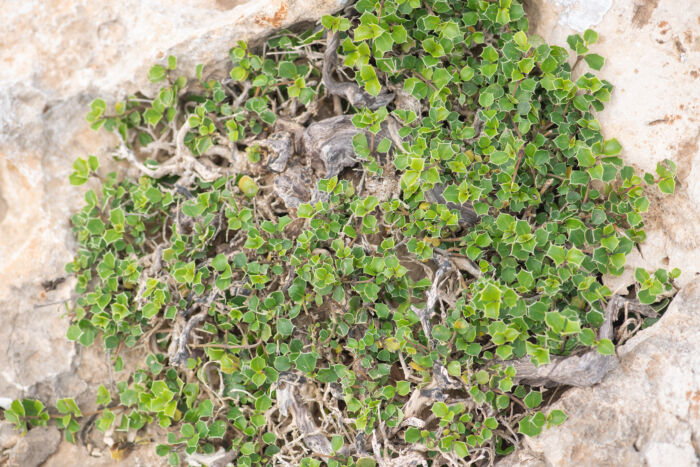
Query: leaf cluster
point(491, 119)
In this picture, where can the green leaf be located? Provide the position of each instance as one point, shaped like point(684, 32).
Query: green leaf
point(93, 163)
point(116, 216)
point(528, 427)
point(412, 435)
point(504, 352)
point(105, 421)
point(103, 397)
point(152, 116)
point(328, 21)
point(594, 61)
point(369, 79)
point(217, 429)
point(248, 186)
point(611, 147)
point(95, 226)
point(557, 253)
point(399, 34)
point(667, 185)
point(68, 406)
point(383, 43)
point(365, 462)
point(297, 290)
point(238, 73)
point(257, 364)
point(81, 172)
point(489, 54)
point(466, 73)
point(575, 256)
point(486, 99)
point(157, 73)
point(305, 211)
point(585, 157)
point(491, 297)
point(433, 47)
point(460, 449)
point(440, 409)
point(220, 263)
point(286, 70)
point(555, 320)
point(441, 333)
point(336, 443)
point(77, 179)
point(606, 347)
point(533, 399)
point(520, 39)
point(306, 362)
point(576, 43)
point(590, 36)
point(556, 417)
point(403, 387)
point(285, 327)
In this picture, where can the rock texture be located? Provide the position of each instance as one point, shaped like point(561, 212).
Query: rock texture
point(652, 51)
point(71, 455)
point(34, 448)
point(645, 412)
point(55, 57)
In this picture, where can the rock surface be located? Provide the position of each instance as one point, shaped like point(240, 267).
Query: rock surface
point(652, 52)
point(645, 412)
point(57, 56)
point(34, 448)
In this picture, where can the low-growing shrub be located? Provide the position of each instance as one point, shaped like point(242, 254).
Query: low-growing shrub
point(318, 289)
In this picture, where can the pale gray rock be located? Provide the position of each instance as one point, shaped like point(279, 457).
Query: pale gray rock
point(35, 447)
point(582, 14)
point(645, 412)
point(8, 435)
point(652, 57)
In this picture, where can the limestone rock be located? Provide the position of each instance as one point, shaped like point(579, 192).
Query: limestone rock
point(645, 412)
point(70, 455)
point(8, 435)
point(56, 57)
point(652, 52)
point(36, 350)
point(35, 447)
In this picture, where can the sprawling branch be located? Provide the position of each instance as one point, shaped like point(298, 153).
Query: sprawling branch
point(289, 401)
point(578, 370)
point(426, 313)
point(351, 91)
point(183, 164)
